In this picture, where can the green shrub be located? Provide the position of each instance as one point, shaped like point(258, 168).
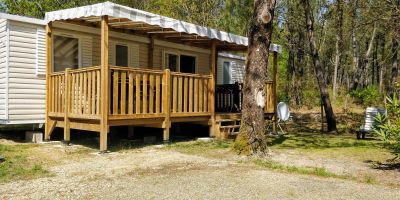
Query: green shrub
point(367, 96)
point(389, 126)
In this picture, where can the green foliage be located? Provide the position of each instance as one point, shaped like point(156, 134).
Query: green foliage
point(316, 171)
point(241, 145)
point(389, 126)
point(367, 96)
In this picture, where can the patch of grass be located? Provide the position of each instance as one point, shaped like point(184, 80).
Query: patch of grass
point(332, 146)
point(18, 165)
point(201, 147)
point(316, 171)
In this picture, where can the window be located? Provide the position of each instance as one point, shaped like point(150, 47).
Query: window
point(121, 55)
point(171, 62)
point(188, 64)
point(180, 63)
point(227, 72)
point(66, 53)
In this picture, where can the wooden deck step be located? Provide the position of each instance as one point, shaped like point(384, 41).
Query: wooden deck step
point(230, 126)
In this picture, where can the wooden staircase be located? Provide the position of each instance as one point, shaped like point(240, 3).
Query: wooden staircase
point(227, 125)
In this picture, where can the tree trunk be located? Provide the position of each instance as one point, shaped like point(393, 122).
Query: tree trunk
point(330, 116)
point(394, 50)
point(339, 45)
point(253, 123)
point(367, 59)
point(362, 71)
point(382, 67)
point(354, 81)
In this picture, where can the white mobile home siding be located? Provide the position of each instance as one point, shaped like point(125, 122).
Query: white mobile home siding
point(26, 70)
point(237, 67)
point(22, 70)
point(3, 67)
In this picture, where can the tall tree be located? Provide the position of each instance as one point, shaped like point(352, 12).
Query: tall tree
point(339, 44)
point(260, 31)
point(395, 44)
point(330, 116)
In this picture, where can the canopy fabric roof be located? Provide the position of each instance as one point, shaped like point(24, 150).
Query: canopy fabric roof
point(123, 17)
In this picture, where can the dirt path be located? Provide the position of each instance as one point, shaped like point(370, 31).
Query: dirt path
point(153, 173)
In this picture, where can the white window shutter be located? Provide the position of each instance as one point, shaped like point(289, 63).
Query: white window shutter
point(134, 55)
point(87, 52)
point(40, 52)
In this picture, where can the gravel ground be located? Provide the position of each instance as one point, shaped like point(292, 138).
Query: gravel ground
point(153, 173)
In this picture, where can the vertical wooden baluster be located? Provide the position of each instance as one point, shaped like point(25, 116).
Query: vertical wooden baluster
point(185, 94)
point(138, 88)
point(89, 93)
point(190, 94)
point(151, 93)
point(205, 95)
point(174, 93)
point(73, 94)
point(158, 82)
point(62, 92)
point(123, 93)
point(130, 94)
point(98, 93)
point(81, 100)
point(55, 93)
point(201, 85)
point(180, 90)
point(196, 94)
point(145, 105)
point(93, 96)
point(85, 103)
point(115, 92)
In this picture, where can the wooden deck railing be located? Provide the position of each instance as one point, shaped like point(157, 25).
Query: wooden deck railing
point(189, 94)
point(229, 98)
point(136, 92)
point(57, 93)
point(84, 91)
point(140, 93)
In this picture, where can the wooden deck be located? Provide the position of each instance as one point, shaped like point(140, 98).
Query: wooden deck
point(99, 97)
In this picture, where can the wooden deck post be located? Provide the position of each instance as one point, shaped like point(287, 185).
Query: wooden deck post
point(67, 86)
point(48, 72)
point(104, 84)
point(166, 104)
point(211, 86)
point(275, 121)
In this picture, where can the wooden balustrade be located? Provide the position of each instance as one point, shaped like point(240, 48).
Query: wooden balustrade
point(84, 92)
point(136, 92)
point(57, 93)
point(189, 94)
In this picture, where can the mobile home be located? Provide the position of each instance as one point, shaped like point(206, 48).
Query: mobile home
point(106, 65)
point(22, 70)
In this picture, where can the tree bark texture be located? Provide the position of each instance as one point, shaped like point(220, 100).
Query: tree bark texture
point(354, 43)
point(395, 48)
point(339, 45)
point(253, 123)
point(330, 116)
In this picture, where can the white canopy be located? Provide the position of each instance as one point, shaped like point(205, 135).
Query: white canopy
point(123, 12)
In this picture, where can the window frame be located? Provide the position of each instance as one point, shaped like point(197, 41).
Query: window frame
point(178, 54)
point(70, 36)
point(115, 53)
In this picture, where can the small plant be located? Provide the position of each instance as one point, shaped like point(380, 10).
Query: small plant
point(367, 96)
point(389, 126)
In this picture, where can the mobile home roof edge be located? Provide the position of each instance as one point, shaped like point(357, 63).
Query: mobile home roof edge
point(19, 18)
